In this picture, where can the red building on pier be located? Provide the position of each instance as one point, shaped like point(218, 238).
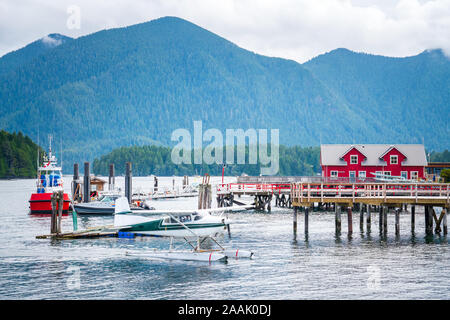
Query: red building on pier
point(364, 160)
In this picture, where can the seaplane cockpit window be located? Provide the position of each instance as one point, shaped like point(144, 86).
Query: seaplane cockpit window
point(197, 218)
point(185, 218)
point(182, 219)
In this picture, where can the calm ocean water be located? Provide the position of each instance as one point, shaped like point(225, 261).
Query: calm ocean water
point(323, 267)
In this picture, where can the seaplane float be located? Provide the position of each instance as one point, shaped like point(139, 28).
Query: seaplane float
point(193, 226)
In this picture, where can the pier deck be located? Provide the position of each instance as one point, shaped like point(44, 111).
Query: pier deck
point(436, 194)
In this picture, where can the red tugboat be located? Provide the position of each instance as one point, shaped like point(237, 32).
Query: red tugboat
point(49, 179)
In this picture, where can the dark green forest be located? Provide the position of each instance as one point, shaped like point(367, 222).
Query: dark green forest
point(18, 156)
point(135, 85)
point(147, 160)
point(18, 160)
point(443, 156)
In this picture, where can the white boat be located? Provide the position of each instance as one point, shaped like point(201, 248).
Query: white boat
point(104, 205)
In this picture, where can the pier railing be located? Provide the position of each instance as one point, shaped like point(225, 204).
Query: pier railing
point(253, 188)
point(357, 191)
point(314, 192)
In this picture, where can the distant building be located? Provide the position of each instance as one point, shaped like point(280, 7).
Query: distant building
point(434, 169)
point(364, 160)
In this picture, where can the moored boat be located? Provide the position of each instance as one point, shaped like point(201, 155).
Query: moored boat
point(49, 179)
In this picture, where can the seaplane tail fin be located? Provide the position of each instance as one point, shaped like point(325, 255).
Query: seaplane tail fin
point(121, 205)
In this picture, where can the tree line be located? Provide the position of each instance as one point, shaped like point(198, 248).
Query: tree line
point(18, 154)
point(157, 160)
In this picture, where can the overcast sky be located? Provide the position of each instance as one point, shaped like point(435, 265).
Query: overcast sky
point(294, 29)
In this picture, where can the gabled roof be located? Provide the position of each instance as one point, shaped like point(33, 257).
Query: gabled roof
point(350, 149)
point(331, 154)
point(389, 149)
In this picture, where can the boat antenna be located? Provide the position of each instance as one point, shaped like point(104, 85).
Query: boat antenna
point(60, 144)
point(38, 151)
point(50, 137)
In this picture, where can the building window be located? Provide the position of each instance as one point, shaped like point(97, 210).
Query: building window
point(404, 174)
point(354, 159)
point(362, 174)
point(334, 174)
point(415, 175)
point(387, 173)
point(394, 159)
point(352, 174)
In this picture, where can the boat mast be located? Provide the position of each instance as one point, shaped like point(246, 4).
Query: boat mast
point(60, 145)
point(37, 160)
point(50, 137)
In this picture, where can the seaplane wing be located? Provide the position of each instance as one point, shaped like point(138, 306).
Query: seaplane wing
point(228, 209)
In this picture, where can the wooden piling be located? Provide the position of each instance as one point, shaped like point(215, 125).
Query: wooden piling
point(368, 218)
point(86, 183)
point(428, 220)
point(437, 228)
point(385, 222)
point(337, 212)
point(413, 218)
point(444, 220)
point(200, 196)
point(294, 222)
point(57, 201)
point(53, 223)
point(112, 179)
point(397, 221)
point(306, 220)
point(350, 220)
point(128, 182)
point(60, 199)
point(75, 185)
point(208, 196)
point(361, 217)
point(380, 218)
point(205, 196)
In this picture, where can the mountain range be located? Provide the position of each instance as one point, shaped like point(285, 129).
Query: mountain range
point(136, 85)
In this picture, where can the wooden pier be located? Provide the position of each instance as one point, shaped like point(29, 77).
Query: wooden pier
point(380, 197)
point(366, 198)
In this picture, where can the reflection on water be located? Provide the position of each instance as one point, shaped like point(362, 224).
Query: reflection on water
point(320, 265)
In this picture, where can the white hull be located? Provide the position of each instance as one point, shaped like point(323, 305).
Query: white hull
point(237, 254)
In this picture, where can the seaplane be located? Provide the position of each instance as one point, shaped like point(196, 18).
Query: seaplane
point(193, 226)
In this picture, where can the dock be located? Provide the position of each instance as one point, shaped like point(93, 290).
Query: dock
point(95, 232)
point(365, 197)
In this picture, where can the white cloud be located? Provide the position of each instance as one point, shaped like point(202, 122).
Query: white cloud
point(295, 29)
point(49, 41)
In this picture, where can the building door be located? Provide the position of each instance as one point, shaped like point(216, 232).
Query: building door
point(352, 175)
